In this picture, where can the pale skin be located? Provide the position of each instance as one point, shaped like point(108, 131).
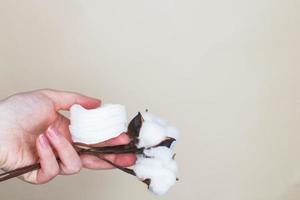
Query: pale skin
point(32, 130)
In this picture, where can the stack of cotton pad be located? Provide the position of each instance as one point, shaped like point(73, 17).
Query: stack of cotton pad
point(97, 125)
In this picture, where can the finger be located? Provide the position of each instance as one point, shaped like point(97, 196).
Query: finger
point(70, 160)
point(61, 124)
point(64, 100)
point(49, 165)
point(119, 140)
point(93, 162)
point(123, 160)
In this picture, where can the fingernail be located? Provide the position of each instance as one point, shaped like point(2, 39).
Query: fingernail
point(43, 141)
point(52, 132)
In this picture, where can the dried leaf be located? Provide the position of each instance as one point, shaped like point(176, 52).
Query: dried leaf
point(147, 181)
point(134, 128)
point(166, 143)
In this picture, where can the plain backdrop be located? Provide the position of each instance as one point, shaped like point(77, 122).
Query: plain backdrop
point(225, 72)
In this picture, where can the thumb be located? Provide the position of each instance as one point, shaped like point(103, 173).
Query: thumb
point(64, 100)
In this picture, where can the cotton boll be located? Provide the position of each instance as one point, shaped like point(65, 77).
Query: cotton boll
point(172, 166)
point(160, 153)
point(151, 134)
point(97, 125)
point(154, 130)
point(172, 132)
point(148, 116)
point(161, 184)
point(147, 167)
point(153, 118)
point(165, 155)
point(161, 176)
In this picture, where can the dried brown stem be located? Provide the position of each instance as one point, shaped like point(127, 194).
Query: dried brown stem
point(85, 149)
point(126, 170)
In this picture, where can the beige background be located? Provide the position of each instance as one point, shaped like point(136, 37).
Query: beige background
point(225, 72)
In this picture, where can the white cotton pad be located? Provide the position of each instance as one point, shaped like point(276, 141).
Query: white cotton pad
point(97, 125)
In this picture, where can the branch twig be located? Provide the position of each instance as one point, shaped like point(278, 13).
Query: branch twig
point(96, 151)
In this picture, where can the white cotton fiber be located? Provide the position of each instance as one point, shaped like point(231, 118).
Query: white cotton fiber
point(160, 153)
point(154, 130)
point(162, 183)
point(151, 134)
point(147, 116)
point(172, 132)
point(97, 125)
point(165, 155)
point(159, 167)
point(147, 167)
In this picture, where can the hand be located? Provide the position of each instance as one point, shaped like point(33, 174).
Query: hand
point(32, 130)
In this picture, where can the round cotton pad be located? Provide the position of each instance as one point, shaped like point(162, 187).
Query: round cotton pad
point(97, 125)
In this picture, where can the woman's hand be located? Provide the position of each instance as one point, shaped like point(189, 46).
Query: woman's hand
point(32, 130)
